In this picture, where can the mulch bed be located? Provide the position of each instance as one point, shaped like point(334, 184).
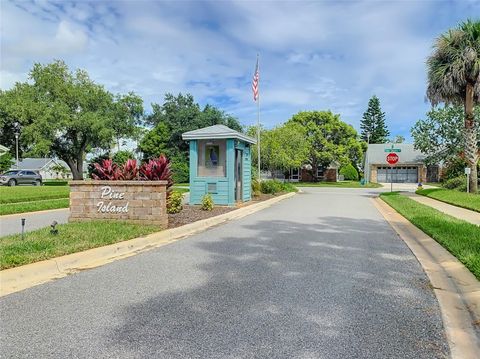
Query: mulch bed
point(191, 214)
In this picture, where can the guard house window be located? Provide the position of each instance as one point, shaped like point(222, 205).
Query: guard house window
point(211, 158)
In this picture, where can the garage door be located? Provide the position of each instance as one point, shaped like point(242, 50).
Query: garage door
point(400, 174)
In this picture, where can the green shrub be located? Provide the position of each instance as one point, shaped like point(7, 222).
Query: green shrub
point(6, 161)
point(207, 202)
point(180, 170)
point(349, 172)
point(54, 183)
point(289, 187)
point(121, 157)
point(174, 202)
point(273, 187)
point(458, 183)
point(256, 187)
point(270, 186)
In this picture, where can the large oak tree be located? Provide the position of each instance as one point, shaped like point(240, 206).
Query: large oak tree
point(66, 114)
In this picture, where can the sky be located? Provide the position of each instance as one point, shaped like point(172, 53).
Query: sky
point(314, 55)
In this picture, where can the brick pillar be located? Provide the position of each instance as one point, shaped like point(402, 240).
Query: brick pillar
point(142, 202)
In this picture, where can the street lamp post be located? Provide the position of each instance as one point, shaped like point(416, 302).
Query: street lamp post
point(16, 127)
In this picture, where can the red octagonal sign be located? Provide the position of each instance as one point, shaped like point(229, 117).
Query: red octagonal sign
point(392, 158)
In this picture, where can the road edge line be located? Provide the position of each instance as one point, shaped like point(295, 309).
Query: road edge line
point(19, 278)
point(455, 287)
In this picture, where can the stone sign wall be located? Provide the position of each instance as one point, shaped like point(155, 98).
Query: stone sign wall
point(132, 201)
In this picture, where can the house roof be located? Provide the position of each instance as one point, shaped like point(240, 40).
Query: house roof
point(376, 153)
point(33, 163)
point(217, 132)
point(37, 164)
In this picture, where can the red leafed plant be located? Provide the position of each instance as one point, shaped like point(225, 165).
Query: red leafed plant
point(157, 169)
point(130, 170)
point(107, 170)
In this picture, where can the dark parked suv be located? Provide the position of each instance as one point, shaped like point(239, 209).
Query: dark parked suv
point(14, 177)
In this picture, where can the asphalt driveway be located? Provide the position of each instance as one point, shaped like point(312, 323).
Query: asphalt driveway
point(320, 275)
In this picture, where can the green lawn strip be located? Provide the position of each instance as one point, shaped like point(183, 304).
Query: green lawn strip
point(344, 184)
point(32, 193)
point(23, 207)
point(181, 190)
point(460, 199)
point(460, 238)
point(72, 237)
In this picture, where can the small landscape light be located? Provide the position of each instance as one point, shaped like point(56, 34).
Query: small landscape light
point(23, 228)
point(54, 230)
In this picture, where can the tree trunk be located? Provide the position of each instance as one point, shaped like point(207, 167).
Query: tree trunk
point(76, 167)
point(471, 149)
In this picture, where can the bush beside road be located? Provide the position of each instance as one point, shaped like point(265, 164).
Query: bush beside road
point(460, 238)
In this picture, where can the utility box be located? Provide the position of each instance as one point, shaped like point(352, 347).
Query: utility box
point(220, 164)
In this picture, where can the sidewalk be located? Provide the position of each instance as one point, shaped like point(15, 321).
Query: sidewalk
point(11, 223)
point(454, 211)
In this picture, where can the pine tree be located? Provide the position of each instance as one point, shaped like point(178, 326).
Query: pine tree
point(374, 129)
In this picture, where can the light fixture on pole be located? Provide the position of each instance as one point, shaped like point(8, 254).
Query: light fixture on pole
point(16, 128)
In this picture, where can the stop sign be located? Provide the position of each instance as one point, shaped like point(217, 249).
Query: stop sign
point(392, 158)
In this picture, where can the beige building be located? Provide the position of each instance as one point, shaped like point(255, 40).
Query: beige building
point(410, 168)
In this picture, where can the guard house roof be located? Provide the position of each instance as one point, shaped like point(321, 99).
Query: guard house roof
point(409, 155)
point(217, 132)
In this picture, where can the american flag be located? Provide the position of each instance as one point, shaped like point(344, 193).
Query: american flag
point(255, 83)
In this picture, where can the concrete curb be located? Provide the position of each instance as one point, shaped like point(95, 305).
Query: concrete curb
point(456, 288)
point(23, 277)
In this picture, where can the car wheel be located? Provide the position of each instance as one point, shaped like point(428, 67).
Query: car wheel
point(12, 182)
point(38, 183)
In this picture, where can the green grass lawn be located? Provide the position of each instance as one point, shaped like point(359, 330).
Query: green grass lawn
point(32, 206)
point(181, 190)
point(461, 199)
point(344, 184)
point(72, 237)
point(32, 193)
point(460, 238)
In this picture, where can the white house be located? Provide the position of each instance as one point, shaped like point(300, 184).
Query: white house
point(46, 167)
point(3, 150)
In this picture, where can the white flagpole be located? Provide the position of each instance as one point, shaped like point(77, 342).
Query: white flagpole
point(258, 119)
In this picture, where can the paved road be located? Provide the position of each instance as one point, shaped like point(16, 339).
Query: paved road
point(320, 275)
point(11, 224)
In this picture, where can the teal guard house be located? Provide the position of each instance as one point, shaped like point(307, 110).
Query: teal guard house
point(220, 164)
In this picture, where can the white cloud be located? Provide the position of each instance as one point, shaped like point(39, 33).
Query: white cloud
point(313, 55)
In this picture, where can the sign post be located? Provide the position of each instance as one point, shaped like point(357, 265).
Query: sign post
point(392, 159)
point(467, 172)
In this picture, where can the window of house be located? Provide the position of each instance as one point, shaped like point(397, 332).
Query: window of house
point(320, 171)
point(211, 158)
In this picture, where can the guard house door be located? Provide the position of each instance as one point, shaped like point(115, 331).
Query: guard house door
point(238, 175)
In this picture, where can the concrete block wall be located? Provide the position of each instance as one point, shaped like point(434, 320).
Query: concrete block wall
point(142, 202)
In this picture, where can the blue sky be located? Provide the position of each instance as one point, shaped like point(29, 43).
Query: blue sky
point(314, 55)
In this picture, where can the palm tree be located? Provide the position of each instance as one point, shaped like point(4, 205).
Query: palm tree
point(454, 78)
